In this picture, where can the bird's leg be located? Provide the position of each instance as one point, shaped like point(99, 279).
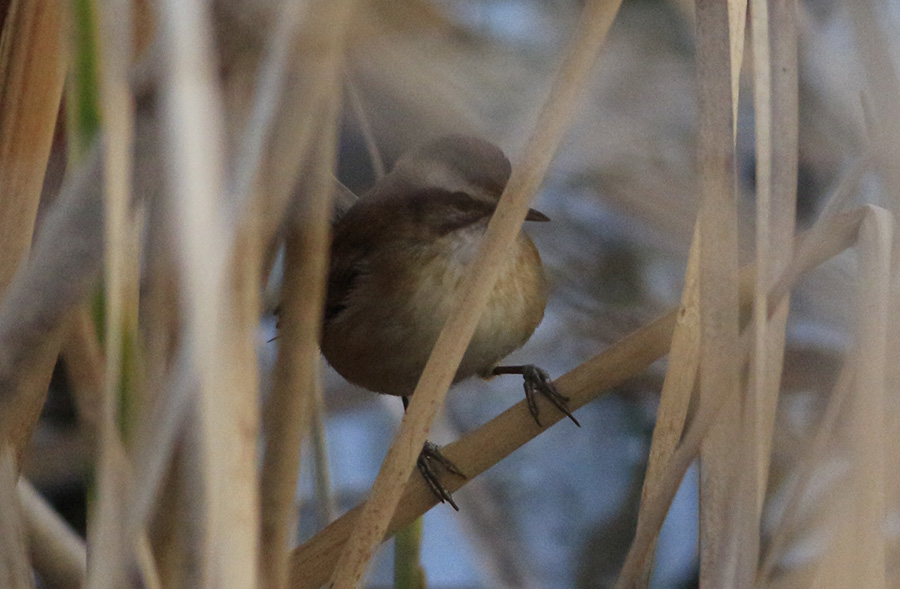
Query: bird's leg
point(538, 381)
point(427, 457)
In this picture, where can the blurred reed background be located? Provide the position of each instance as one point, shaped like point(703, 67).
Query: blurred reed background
point(722, 188)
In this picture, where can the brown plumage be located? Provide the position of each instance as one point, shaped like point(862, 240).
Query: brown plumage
point(398, 259)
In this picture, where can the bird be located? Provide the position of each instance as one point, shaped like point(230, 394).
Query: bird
point(398, 259)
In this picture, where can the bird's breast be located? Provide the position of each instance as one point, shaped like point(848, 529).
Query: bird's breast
point(384, 337)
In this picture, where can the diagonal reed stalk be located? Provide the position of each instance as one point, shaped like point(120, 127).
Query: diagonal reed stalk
point(56, 551)
point(478, 450)
point(38, 302)
point(32, 69)
point(207, 406)
point(505, 224)
point(675, 397)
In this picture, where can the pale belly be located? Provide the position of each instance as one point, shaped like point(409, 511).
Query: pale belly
point(382, 342)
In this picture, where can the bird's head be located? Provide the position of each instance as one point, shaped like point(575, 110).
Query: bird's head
point(463, 164)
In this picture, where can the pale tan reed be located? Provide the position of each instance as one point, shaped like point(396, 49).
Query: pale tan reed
point(719, 353)
point(32, 69)
point(504, 226)
point(57, 552)
point(225, 421)
point(15, 570)
point(675, 397)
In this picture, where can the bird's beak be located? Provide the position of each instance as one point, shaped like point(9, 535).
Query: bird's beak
point(534, 215)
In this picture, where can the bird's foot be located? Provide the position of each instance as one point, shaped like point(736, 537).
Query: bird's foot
point(538, 381)
point(431, 454)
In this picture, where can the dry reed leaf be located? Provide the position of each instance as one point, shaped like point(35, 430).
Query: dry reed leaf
point(480, 449)
point(267, 99)
point(502, 230)
point(112, 547)
point(883, 89)
point(317, 57)
point(657, 505)
point(675, 397)
point(226, 408)
point(283, 163)
point(297, 367)
point(35, 308)
point(768, 347)
point(867, 410)
point(804, 473)
point(855, 554)
point(57, 552)
point(718, 296)
point(284, 416)
point(15, 570)
point(832, 234)
point(84, 364)
point(781, 181)
point(32, 69)
point(106, 530)
point(878, 57)
point(325, 499)
point(832, 570)
point(737, 27)
point(146, 563)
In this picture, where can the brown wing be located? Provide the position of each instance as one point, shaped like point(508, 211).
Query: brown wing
point(374, 227)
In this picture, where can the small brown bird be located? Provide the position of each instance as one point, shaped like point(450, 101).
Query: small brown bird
point(398, 258)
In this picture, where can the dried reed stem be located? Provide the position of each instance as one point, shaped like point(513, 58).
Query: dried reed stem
point(834, 234)
point(297, 367)
point(719, 368)
point(877, 55)
point(737, 28)
point(84, 363)
point(781, 177)
point(325, 499)
point(478, 450)
point(312, 111)
point(658, 504)
point(57, 552)
point(867, 412)
point(15, 570)
point(317, 59)
point(225, 410)
point(35, 307)
point(267, 101)
point(675, 397)
point(502, 230)
point(32, 69)
point(883, 88)
point(106, 535)
point(766, 351)
point(776, 108)
point(811, 459)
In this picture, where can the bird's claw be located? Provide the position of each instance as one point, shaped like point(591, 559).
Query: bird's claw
point(430, 454)
point(538, 381)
